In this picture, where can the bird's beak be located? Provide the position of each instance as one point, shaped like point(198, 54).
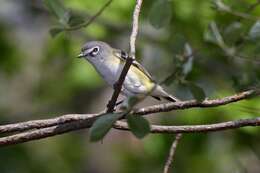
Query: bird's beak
point(80, 55)
point(85, 53)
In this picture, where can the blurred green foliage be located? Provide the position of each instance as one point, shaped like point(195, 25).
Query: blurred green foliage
point(39, 75)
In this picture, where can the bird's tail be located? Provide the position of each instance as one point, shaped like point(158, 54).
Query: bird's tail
point(159, 92)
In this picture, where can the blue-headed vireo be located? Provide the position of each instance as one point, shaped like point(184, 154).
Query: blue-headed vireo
point(109, 63)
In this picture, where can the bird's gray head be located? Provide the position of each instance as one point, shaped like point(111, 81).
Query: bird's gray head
point(95, 50)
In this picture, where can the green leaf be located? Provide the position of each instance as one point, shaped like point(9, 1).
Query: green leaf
point(160, 13)
point(219, 5)
point(213, 35)
point(209, 37)
point(197, 92)
point(138, 125)
point(76, 20)
point(132, 101)
point(232, 33)
point(171, 78)
point(188, 55)
point(102, 125)
point(57, 8)
point(55, 31)
point(254, 32)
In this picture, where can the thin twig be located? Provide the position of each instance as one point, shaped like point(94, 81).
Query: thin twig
point(88, 22)
point(118, 85)
point(171, 153)
point(228, 125)
point(135, 27)
point(227, 9)
point(253, 6)
point(193, 103)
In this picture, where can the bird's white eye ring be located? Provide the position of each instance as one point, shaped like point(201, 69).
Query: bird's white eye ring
point(95, 50)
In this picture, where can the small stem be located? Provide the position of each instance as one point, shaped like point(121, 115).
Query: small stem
point(171, 153)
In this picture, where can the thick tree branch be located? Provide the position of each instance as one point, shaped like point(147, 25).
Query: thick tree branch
point(36, 124)
point(44, 132)
point(118, 85)
point(171, 153)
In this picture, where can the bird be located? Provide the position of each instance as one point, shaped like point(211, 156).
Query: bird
point(109, 63)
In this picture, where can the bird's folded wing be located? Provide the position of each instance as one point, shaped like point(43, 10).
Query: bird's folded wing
point(123, 55)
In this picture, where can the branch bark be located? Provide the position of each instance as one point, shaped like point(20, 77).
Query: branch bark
point(135, 27)
point(37, 124)
point(193, 103)
point(197, 128)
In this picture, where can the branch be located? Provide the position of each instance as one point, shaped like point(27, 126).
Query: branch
point(36, 124)
point(193, 103)
point(222, 7)
point(118, 85)
point(253, 6)
point(135, 27)
point(44, 132)
point(71, 122)
point(86, 123)
point(120, 125)
point(88, 22)
point(171, 153)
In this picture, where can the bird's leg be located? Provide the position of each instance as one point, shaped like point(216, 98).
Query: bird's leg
point(119, 102)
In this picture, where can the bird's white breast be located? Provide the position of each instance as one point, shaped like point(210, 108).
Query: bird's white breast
point(110, 69)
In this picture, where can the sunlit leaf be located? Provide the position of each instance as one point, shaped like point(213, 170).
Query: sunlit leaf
point(213, 35)
point(219, 5)
point(197, 92)
point(160, 13)
point(254, 32)
point(102, 125)
point(209, 37)
point(188, 54)
point(182, 65)
point(139, 126)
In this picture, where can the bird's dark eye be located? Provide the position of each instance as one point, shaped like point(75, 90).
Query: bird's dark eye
point(95, 51)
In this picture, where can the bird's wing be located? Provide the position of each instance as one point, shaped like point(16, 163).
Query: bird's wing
point(123, 55)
